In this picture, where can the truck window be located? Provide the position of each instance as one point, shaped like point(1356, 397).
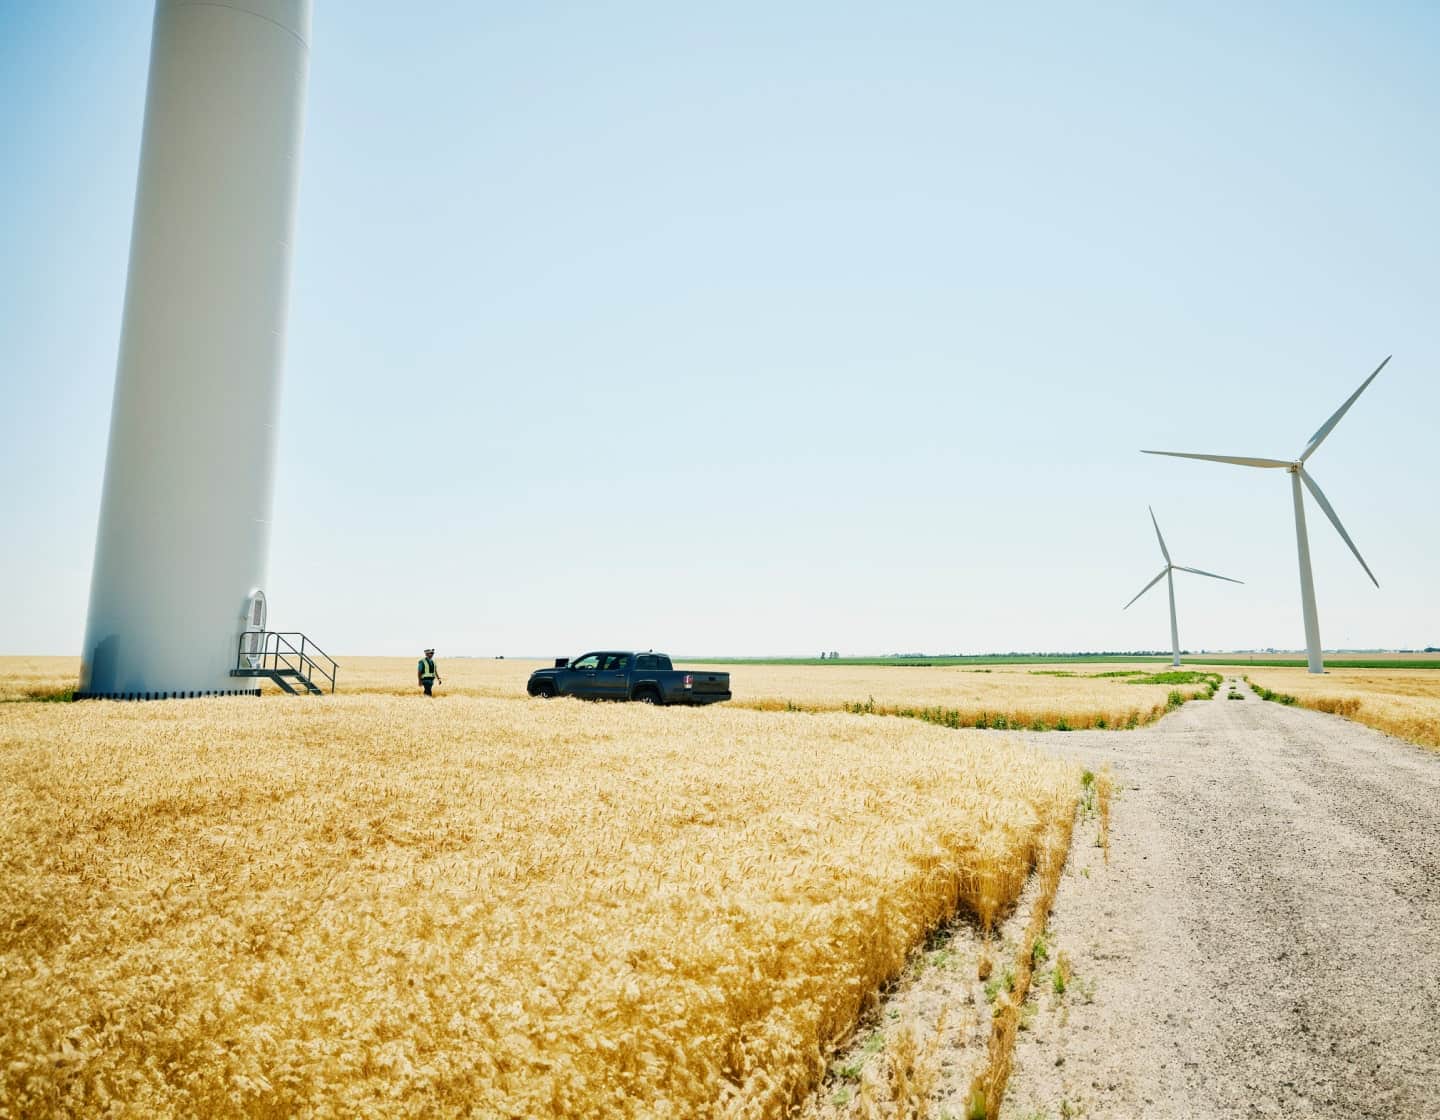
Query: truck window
point(589, 661)
point(615, 662)
point(647, 661)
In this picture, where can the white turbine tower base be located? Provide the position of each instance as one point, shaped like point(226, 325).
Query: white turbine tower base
point(185, 511)
point(1168, 573)
point(1300, 476)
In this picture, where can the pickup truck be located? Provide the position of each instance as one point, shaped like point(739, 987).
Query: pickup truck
point(648, 677)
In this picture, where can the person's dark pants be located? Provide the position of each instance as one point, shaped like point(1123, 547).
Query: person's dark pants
point(429, 683)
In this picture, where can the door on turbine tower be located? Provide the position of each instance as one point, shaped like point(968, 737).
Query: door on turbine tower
point(252, 640)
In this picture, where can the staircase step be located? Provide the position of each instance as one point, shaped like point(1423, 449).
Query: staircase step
point(291, 667)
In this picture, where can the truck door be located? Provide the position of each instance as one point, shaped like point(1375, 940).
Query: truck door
point(612, 682)
point(580, 677)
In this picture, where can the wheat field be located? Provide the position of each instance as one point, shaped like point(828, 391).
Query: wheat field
point(1402, 702)
point(1007, 696)
point(381, 905)
point(1079, 697)
point(37, 678)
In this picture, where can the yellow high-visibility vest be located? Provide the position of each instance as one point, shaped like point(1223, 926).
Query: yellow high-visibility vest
point(427, 668)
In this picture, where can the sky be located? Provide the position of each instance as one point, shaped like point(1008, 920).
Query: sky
point(779, 328)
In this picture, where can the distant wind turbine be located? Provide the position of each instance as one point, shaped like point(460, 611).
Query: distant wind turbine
point(1298, 474)
point(1167, 573)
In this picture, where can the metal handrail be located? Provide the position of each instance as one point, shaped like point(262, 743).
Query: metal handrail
point(276, 653)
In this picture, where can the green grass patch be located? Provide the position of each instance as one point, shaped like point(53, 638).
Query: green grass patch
point(43, 696)
point(1271, 695)
point(1177, 676)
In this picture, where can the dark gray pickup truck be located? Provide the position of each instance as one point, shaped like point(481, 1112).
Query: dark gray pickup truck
point(647, 677)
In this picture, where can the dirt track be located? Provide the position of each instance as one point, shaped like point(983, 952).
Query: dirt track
point(1266, 939)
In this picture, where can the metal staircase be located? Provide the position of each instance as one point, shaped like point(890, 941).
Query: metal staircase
point(295, 668)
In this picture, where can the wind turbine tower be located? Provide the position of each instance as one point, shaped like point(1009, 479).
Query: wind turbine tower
point(180, 552)
point(1298, 476)
point(1167, 573)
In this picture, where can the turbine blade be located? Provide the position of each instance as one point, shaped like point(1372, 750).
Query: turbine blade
point(1314, 488)
point(1238, 460)
point(1161, 539)
point(1147, 587)
point(1319, 437)
point(1212, 575)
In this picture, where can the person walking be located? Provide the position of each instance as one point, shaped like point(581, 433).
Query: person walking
point(428, 674)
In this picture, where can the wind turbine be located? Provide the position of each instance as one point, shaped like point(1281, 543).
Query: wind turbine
point(1298, 474)
point(1168, 574)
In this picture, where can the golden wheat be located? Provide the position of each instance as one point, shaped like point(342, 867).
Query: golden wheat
point(391, 906)
point(1402, 702)
point(462, 676)
point(1005, 696)
point(1009, 696)
point(37, 678)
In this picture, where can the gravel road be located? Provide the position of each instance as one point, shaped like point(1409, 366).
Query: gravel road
point(1266, 938)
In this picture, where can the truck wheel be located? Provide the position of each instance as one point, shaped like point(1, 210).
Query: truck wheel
point(647, 696)
point(545, 692)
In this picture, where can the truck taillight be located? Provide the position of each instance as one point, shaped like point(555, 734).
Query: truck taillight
point(689, 681)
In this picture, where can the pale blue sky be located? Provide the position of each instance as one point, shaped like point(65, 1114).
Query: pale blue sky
point(773, 328)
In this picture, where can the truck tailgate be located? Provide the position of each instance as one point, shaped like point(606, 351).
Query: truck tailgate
point(709, 683)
